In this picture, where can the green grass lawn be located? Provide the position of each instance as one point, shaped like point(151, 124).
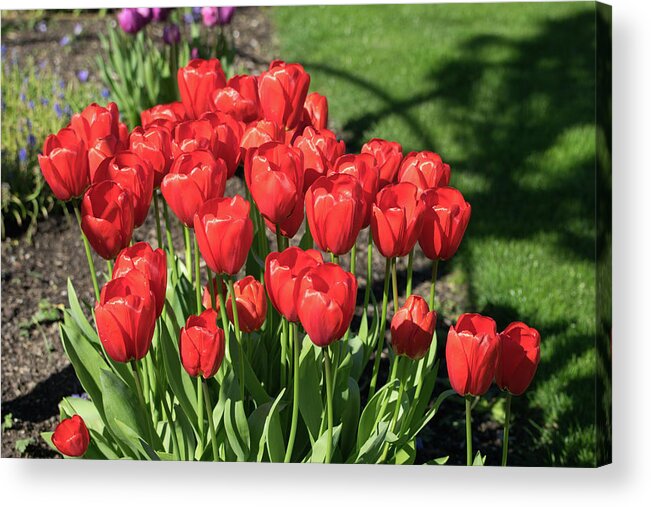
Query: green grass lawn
point(505, 93)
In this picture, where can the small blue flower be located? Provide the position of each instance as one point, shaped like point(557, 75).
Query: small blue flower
point(44, 101)
point(82, 75)
point(196, 13)
point(67, 109)
point(30, 104)
point(188, 19)
point(105, 93)
point(42, 64)
point(29, 124)
point(58, 110)
point(31, 140)
point(22, 97)
point(65, 40)
point(3, 48)
point(78, 29)
point(41, 26)
point(22, 155)
point(62, 84)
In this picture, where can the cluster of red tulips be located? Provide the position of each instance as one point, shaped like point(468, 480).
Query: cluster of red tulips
point(294, 169)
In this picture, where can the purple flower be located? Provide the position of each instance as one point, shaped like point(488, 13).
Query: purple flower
point(130, 20)
point(194, 53)
point(82, 75)
point(78, 29)
point(62, 84)
point(217, 15)
point(31, 140)
point(146, 13)
point(44, 101)
point(30, 104)
point(188, 19)
point(57, 110)
point(22, 155)
point(65, 40)
point(22, 97)
point(196, 13)
point(160, 14)
point(41, 26)
point(105, 93)
point(171, 34)
point(29, 124)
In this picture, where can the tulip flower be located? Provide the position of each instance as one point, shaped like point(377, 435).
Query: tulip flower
point(290, 226)
point(97, 122)
point(71, 437)
point(325, 302)
point(151, 263)
point(316, 111)
point(193, 135)
point(282, 271)
point(172, 34)
point(274, 176)
point(445, 220)
point(104, 147)
point(224, 233)
point(471, 351)
point(134, 175)
point(194, 178)
point(213, 16)
point(251, 303)
point(424, 169)
point(64, 164)
point(202, 345)
point(153, 145)
point(388, 157)
point(397, 219)
point(218, 287)
point(107, 218)
point(166, 115)
point(160, 14)
point(239, 98)
point(412, 328)
point(518, 358)
point(282, 91)
point(126, 317)
point(197, 81)
point(334, 206)
point(259, 133)
point(320, 150)
point(131, 21)
point(227, 136)
point(362, 167)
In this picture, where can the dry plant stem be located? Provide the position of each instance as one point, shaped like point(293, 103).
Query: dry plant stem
point(159, 234)
point(293, 331)
point(89, 255)
point(383, 325)
point(328, 378)
point(410, 272)
point(507, 424)
point(238, 336)
point(211, 423)
point(468, 431)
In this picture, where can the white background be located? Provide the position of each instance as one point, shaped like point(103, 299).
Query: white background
point(625, 483)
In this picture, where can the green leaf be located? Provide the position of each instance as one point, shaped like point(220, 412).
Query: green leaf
point(371, 413)
point(273, 432)
point(22, 444)
point(318, 454)
point(479, 460)
point(406, 455)
point(84, 408)
point(78, 315)
point(438, 461)
point(370, 450)
point(256, 428)
point(237, 429)
point(350, 416)
point(310, 404)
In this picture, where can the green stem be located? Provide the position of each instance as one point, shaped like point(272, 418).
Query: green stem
point(468, 432)
point(211, 423)
point(383, 325)
point(432, 287)
point(238, 336)
point(109, 269)
point(211, 288)
point(410, 271)
point(396, 412)
point(353, 260)
point(197, 274)
point(141, 399)
point(283, 351)
point(170, 422)
point(222, 308)
point(292, 432)
point(394, 277)
point(159, 234)
point(328, 378)
point(369, 272)
point(188, 251)
point(170, 241)
point(507, 424)
point(200, 413)
point(89, 255)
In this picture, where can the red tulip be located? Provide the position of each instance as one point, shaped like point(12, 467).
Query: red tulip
point(518, 358)
point(251, 303)
point(274, 175)
point(202, 345)
point(471, 351)
point(96, 122)
point(316, 110)
point(206, 298)
point(151, 263)
point(362, 167)
point(105, 147)
point(133, 174)
point(107, 218)
point(194, 178)
point(193, 135)
point(320, 150)
point(412, 328)
point(227, 132)
point(444, 223)
point(325, 302)
point(126, 317)
point(281, 273)
point(224, 233)
point(424, 169)
point(64, 164)
point(388, 157)
point(282, 91)
point(154, 146)
point(334, 206)
point(259, 133)
point(197, 82)
point(239, 99)
point(290, 226)
point(71, 437)
point(397, 219)
point(165, 115)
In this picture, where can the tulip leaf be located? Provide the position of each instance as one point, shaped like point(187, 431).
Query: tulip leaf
point(406, 455)
point(350, 399)
point(429, 381)
point(256, 427)
point(310, 404)
point(318, 454)
point(372, 412)
point(237, 429)
point(70, 406)
point(432, 412)
point(370, 450)
point(251, 381)
point(479, 460)
point(184, 433)
point(136, 441)
point(273, 433)
point(78, 315)
point(438, 461)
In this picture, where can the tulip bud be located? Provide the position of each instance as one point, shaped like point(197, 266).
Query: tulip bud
point(131, 21)
point(274, 175)
point(126, 317)
point(151, 263)
point(397, 219)
point(193, 179)
point(202, 345)
point(251, 303)
point(153, 145)
point(197, 81)
point(107, 218)
point(334, 206)
point(388, 157)
point(471, 351)
point(362, 168)
point(166, 115)
point(518, 357)
point(71, 437)
point(412, 328)
point(282, 91)
point(281, 273)
point(320, 150)
point(224, 233)
point(316, 110)
point(325, 302)
point(134, 175)
point(64, 164)
point(424, 169)
point(445, 220)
